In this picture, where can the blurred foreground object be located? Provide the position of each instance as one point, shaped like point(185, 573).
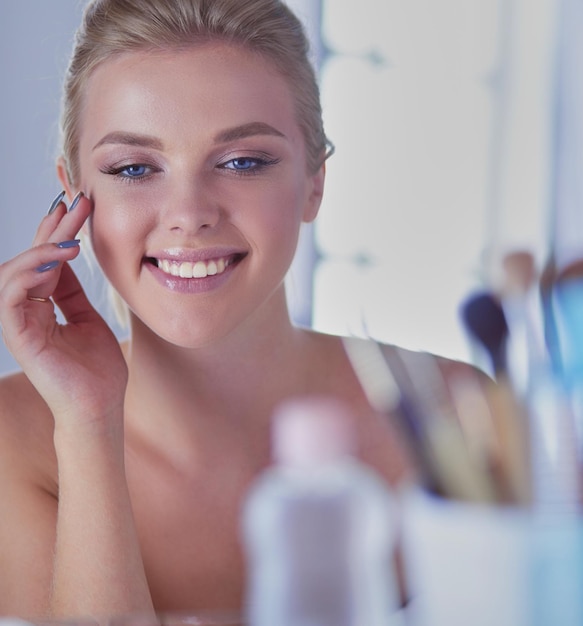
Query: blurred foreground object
point(319, 527)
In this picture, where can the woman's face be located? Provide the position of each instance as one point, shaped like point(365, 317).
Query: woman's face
point(197, 169)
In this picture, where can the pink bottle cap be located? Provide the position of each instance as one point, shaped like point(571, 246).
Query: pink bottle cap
point(312, 430)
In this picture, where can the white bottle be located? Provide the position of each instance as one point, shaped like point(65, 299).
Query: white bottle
point(318, 527)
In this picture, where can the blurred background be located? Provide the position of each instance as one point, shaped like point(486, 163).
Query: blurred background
point(452, 120)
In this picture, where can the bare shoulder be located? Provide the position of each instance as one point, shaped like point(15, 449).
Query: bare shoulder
point(26, 429)
point(28, 500)
point(342, 359)
point(344, 367)
point(393, 392)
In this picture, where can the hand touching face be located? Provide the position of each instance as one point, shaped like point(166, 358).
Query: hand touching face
point(77, 366)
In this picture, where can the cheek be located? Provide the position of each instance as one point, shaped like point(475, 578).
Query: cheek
point(114, 227)
point(282, 215)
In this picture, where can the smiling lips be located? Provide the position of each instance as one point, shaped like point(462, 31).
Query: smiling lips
point(198, 269)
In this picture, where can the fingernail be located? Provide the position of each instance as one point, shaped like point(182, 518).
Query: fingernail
point(75, 201)
point(70, 243)
point(45, 267)
point(55, 203)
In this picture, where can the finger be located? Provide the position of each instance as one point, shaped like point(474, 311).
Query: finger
point(70, 297)
point(55, 213)
point(50, 270)
point(18, 315)
point(33, 273)
point(64, 224)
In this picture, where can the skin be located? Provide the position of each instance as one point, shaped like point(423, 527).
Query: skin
point(124, 468)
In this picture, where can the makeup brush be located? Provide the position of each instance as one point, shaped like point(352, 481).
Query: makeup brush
point(458, 472)
point(547, 281)
point(485, 320)
point(552, 425)
point(376, 372)
point(526, 351)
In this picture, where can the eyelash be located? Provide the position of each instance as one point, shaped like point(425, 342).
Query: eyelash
point(257, 165)
point(118, 172)
point(260, 163)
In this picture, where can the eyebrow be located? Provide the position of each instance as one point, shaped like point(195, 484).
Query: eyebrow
point(130, 139)
point(247, 130)
point(230, 134)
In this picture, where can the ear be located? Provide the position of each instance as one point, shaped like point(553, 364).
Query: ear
point(315, 193)
point(63, 177)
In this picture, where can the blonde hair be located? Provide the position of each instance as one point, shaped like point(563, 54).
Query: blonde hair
point(267, 27)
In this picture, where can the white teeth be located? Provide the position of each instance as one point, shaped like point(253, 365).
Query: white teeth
point(199, 270)
point(186, 269)
point(212, 269)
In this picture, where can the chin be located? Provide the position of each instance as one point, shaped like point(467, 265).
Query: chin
point(181, 332)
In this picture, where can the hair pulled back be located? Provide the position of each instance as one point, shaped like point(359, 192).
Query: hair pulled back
point(266, 27)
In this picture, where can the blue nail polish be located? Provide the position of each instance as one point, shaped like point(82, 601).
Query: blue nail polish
point(75, 201)
point(45, 267)
point(70, 243)
point(55, 203)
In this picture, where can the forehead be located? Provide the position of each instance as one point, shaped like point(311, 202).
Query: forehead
point(200, 89)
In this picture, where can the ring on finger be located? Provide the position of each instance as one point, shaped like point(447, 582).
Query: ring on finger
point(35, 299)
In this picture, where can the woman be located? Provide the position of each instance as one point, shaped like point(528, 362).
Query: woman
point(193, 150)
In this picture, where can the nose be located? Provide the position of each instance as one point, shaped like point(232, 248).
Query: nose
point(191, 207)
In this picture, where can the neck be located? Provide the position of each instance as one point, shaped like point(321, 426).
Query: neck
point(239, 377)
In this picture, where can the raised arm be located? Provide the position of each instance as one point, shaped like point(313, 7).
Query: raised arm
point(80, 373)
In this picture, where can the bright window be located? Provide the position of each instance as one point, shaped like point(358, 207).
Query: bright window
point(438, 161)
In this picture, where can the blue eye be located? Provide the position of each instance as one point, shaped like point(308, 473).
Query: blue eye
point(247, 164)
point(242, 163)
point(133, 171)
